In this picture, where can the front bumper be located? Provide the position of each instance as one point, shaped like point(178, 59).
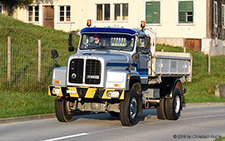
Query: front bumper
point(84, 92)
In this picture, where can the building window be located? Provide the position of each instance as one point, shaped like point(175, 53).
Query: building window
point(33, 13)
point(215, 11)
point(186, 12)
point(64, 13)
point(1, 8)
point(223, 15)
point(152, 12)
point(121, 12)
point(103, 12)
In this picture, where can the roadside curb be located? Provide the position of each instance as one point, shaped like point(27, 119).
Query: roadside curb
point(26, 118)
point(205, 104)
point(35, 117)
point(52, 115)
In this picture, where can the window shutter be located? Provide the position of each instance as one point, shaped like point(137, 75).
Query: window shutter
point(152, 12)
point(182, 11)
point(189, 6)
point(149, 10)
point(156, 17)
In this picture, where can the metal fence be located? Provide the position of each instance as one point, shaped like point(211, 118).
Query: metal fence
point(25, 68)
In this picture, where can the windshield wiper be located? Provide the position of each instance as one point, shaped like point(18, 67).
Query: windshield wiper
point(101, 47)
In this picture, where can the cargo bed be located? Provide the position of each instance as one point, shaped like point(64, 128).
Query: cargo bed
point(170, 64)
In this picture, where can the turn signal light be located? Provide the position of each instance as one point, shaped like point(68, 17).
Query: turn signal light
point(57, 81)
point(89, 22)
point(142, 24)
point(117, 85)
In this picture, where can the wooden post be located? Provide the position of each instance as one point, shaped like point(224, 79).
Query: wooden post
point(39, 60)
point(209, 57)
point(185, 49)
point(9, 59)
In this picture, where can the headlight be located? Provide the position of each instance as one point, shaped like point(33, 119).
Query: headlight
point(56, 91)
point(113, 94)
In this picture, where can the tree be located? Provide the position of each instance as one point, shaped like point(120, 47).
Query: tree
point(11, 5)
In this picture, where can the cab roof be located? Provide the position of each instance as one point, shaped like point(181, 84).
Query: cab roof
point(112, 30)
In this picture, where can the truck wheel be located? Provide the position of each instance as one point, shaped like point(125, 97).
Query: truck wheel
point(161, 109)
point(173, 105)
point(63, 113)
point(129, 108)
point(114, 114)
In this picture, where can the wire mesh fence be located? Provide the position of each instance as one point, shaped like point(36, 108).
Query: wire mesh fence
point(19, 67)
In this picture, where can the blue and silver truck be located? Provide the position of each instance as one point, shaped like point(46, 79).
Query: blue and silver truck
point(117, 71)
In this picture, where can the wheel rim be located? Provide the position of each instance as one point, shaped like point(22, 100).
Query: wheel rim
point(133, 107)
point(177, 104)
point(67, 107)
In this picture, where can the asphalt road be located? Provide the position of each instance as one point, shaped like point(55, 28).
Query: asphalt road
point(195, 123)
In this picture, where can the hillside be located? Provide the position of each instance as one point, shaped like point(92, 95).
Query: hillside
point(24, 52)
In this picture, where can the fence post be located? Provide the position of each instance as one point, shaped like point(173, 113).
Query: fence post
point(209, 57)
point(9, 59)
point(39, 60)
point(185, 49)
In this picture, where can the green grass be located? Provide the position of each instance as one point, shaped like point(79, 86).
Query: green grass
point(220, 139)
point(26, 98)
point(15, 103)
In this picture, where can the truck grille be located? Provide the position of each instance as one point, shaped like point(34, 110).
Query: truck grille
point(92, 73)
point(76, 71)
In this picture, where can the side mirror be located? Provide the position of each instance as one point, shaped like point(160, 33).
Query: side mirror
point(135, 57)
point(147, 42)
point(71, 49)
point(54, 54)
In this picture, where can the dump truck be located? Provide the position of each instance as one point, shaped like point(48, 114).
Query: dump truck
point(117, 70)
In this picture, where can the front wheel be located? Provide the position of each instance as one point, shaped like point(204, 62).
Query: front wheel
point(129, 108)
point(63, 111)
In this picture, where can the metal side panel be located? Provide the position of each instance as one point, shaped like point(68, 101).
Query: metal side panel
point(165, 66)
point(169, 63)
point(181, 67)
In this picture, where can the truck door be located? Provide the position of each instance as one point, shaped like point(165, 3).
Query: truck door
point(142, 66)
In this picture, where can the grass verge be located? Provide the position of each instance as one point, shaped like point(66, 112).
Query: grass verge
point(15, 103)
point(220, 139)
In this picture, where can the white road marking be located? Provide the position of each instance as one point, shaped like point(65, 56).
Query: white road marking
point(66, 137)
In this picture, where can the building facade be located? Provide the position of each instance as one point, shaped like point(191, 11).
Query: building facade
point(197, 24)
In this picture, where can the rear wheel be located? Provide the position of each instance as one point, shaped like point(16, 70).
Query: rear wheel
point(63, 111)
point(161, 109)
point(173, 105)
point(129, 108)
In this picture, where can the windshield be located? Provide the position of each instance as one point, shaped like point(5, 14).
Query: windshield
point(107, 42)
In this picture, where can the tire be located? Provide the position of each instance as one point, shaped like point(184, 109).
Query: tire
point(173, 105)
point(129, 108)
point(63, 114)
point(161, 109)
point(114, 114)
